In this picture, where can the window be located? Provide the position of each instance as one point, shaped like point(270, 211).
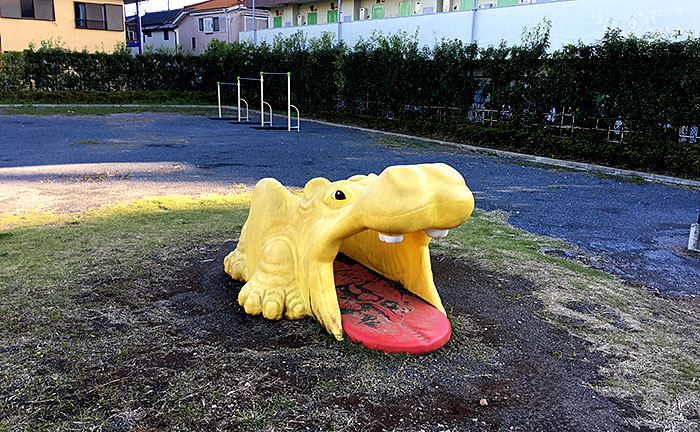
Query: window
point(166, 35)
point(27, 9)
point(96, 16)
point(208, 25)
point(332, 16)
point(312, 18)
point(194, 43)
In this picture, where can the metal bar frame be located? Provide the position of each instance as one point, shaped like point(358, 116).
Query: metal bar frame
point(289, 101)
point(218, 96)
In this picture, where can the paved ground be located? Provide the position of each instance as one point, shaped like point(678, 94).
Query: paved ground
point(637, 231)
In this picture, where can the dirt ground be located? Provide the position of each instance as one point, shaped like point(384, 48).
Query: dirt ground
point(532, 376)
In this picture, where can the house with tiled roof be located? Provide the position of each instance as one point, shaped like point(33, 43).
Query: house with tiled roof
point(157, 30)
point(200, 23)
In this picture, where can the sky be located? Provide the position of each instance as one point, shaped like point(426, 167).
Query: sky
point(158, 5)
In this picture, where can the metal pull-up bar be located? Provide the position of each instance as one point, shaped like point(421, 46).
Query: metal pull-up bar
point(238, 80)
point(289, 100)
point(218, 94)
point(263, 104)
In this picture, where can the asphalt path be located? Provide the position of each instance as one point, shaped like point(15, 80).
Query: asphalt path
point(638, 232)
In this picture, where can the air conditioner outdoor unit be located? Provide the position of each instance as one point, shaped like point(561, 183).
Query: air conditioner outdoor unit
point(525, 1)
point(417, 8)
point(446, 5)
point(363, 14)
point(486, 5)
point(300, 20)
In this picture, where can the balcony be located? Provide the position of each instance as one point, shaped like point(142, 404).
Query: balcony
point(90, 24)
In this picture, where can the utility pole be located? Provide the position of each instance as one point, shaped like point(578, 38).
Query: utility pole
point(255, 27)
point(339, 19)
point(476, 7)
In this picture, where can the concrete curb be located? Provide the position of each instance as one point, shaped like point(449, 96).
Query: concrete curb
point(578, 166)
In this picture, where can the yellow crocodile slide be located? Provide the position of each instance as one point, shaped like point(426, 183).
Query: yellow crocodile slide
point(288, 246)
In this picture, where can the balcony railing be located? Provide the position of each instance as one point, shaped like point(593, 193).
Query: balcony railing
point(90, 24)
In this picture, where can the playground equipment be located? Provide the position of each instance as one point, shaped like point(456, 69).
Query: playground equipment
point(218, 98)
point(694, 238)
point(289, 100)
point(288, 246)
point(240, 99)
point(263, 104)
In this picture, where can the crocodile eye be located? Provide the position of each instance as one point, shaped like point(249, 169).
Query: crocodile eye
point(339, 195)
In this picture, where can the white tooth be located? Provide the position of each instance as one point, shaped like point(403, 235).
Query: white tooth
point(390, 238)
point(436, 233)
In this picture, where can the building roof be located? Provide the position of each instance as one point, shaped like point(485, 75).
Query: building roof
point(213, 4)
point(156, 20)
point(162, 17)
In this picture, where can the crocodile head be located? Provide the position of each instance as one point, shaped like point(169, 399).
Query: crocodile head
point(385, 222)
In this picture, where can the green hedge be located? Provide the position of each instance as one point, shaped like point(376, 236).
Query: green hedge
point(652, 83)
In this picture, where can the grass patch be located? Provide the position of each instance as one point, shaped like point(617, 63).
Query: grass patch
point(402, 143)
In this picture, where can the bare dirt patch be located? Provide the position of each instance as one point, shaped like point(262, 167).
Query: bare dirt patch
point(198, 362)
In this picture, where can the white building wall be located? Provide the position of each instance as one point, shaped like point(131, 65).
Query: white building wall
point(571, 21)
point(157, 39)
point(431, 28)
point(587, 20)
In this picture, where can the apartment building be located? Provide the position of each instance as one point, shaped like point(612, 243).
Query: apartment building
point(93, 26)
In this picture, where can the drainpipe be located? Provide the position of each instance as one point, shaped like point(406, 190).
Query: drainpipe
point(138, 26)
point(228, 25)
point(476, 7)
point(339, 21)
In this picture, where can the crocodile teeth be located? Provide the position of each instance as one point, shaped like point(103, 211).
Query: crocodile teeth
point(390, 238)
point(436, 233)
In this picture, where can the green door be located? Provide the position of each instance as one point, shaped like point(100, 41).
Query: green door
point(507, 2)
point(332, 16)
point(312, 18)
point(378, 11)
point(405, 8)
point(466, 4)
point(277, 22)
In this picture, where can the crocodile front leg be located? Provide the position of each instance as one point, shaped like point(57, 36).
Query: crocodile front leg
point(273, 289)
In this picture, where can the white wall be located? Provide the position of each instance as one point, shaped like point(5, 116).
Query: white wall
point(157, 39)
point(431, 28)
point(587, 20)
point(572, 21)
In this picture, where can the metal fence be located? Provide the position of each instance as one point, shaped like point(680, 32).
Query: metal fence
point(563, 123)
